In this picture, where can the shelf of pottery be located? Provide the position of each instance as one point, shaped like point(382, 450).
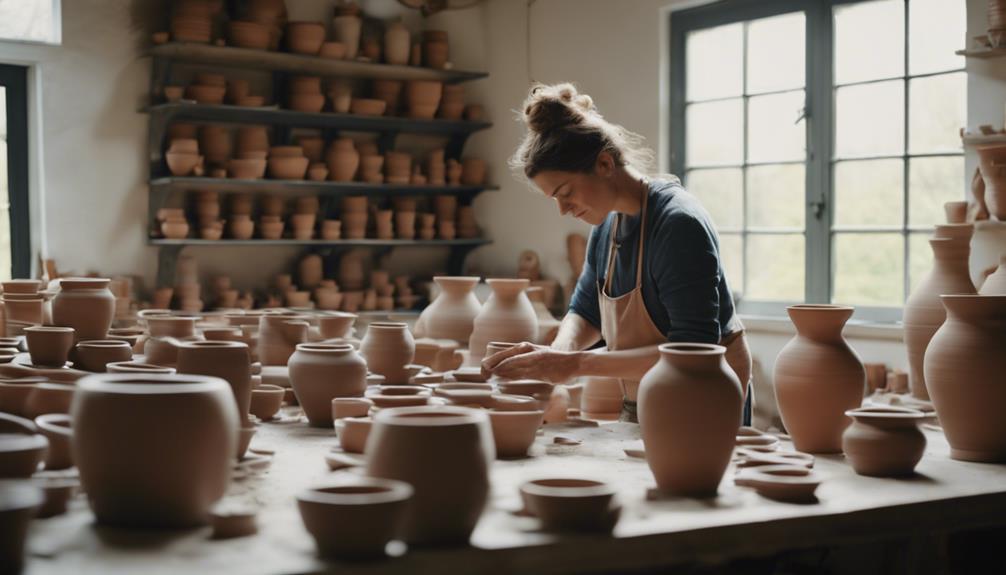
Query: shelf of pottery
point(992, 44)
point(323, 165)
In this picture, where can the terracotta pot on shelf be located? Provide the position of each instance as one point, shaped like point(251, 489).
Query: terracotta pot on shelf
point(435, 49)
point(303, 226)
point(382, 223)
point(252, 138)
point(312, 147)
point(215, 143)
point(405, 225)
point(371, 169)
point(423, 98)
point(454, 172)
point(86, 305)
point(354, 225)
point(307, 102)
point(397, 167)
point(247, 169)
point(506, 316)
point(254, 35)
point(317, 172)
point(331, 229)
point(818, 377)
point(962, 362)
point(473, 172)
point(288, 168)
point(342, 160)
point(333, 50)
point(271, 230)
point(346, 30)
point(390, 91)
point(452, 102)
point(341, 94)
point(190, 29)
point(305, 37)
point(241, 227)
point(389, 348)
point(397, 43)
point(320, 373)
point(367, 107)
point(884, 441)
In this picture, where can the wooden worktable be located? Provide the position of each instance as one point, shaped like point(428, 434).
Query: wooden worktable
point(945, 495)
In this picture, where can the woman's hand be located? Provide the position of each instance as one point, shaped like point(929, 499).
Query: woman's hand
point(530, 361)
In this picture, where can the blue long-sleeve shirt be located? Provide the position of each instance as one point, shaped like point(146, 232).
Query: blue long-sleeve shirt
point(684, 288)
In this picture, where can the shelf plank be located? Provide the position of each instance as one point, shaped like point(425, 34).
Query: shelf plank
point(307, 187)
point(982, 53)
point(981, 140)
point(298, 63)
point(365, 243)
point(227, 114)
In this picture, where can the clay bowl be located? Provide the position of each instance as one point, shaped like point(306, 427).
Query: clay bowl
point(21, 449)
point(317, 172)
point(514, 431)
point(57, 493)
point(49, 345)
point(572, 505)
point(205, 94)
point(182, 164)
point(94, 355)
point(288, 168)
point(353, 433)
point(399, 395)
point(266, 401)
point(333, 50)
point(18, 502)
point(305, 37)
point(367, 107)
point(14, 393)
point(307, 102)
point(355, 520)
point(529, 387)
point(350, 407)
point(247, 169)
point(56, 428)
point(750, 458)
point(137, 367)
point(248, 35)
point(789, 483)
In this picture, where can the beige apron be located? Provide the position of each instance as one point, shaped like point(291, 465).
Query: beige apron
point(625, 323)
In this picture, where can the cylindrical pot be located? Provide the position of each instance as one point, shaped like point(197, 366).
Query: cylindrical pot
point(924, 313)
point(417, 445)
point(346, 29)
point(310, 271)
point(94, 355)
point(321, 372)
point(174, 440)
point(396, 44)
point(818, 377)
point(506, 316)
point(389, 348)
point(228, 360)
point(48, 345)
point(342, 160)
point(884, 441)
point(965, 367)
point(423, 98)
point(278, 336)
point(452, 314)
point(689, 411)
point(86, 305)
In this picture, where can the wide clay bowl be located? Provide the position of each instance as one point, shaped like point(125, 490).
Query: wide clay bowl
point(514, 431)
point(266, 401)
point(789, 483)
point(355, 520)
point(21, 449)
point(568, 504)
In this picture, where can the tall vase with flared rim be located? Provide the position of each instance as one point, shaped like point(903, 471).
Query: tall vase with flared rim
point(965, 368)
point(924, 313)
point(995, 284)
point(689, 411)
point(452, 314)
point(818, 377)
point(86, 305)
point(506, 316)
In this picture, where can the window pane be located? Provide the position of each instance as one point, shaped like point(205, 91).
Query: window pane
point(774, 134)
point(931, 182)
point(732, 257)
point(937, 28)
point(721, 192)
point(870, 120)
point(869, 193)
point(29, 20)
point(869, 41)
point(776, 196)
point(714, 62)
point(920, 257)
point(714, 133)
point(937, 108)
point(869, 269)
point(776, 53)
point(775, 267)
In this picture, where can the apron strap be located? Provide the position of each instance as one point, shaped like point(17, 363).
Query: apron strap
point(611, 246)
point(606, 288)
point(642, 236)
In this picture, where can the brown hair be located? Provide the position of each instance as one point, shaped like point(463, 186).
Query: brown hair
point(566, 133)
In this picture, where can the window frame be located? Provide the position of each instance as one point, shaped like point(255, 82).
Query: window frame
point(820, 90)
point(14, 79)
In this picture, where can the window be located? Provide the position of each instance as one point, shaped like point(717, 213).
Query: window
point(823, 139)
point(30, 21)
point(15, 251)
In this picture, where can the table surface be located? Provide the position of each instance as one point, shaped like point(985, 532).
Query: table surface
point(944, 494)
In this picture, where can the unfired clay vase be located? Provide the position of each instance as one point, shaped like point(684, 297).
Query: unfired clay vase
point(49, 346)
point(506, 316)
point(342, 160)
point(445, 454)
point(689, 410)
point(355, 519)
point(924, 313)
point(818, 377)
point(452, 314)
point(321, 372)
point(965, 369)
point(86, 305)
point(884, 441)
point(992, 163)
point(514, 431)
point(174, 437)
point(228, 360)
point(389, 348)
point(571, 505)
point(279, 335)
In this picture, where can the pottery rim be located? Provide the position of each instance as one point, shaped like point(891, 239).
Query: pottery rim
point(886, 412)
point(567, 487)
point(429, 415)
point(152, 384)
point(359, 491)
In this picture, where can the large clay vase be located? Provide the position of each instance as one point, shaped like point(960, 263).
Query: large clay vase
point(444, 453)
point(506, 316)
point(228, 360)
point(992, 163)
point(995, 284)
point(924, 313)
point(452, 314)
point(818, 377)
point(278, 336)
point(966, 374)
point(689, 411)
point(86, 305)
point(321, 372)
point(342, 160)
point(396, 44)
point(153, 450)
point(884, 441)
point(389, 348)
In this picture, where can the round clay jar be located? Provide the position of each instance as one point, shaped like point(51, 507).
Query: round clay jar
point(884, 441)
point(94, 355)
point(389, 348)
point(86, 305)
point(321, 372)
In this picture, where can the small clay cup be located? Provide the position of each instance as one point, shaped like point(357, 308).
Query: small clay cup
point(571, 505)
point(93, 355)
point(266, 400)
point(49, 346)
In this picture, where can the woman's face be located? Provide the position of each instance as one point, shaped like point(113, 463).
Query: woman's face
point(586, 196)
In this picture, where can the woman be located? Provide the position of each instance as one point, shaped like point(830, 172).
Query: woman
point(653, 272)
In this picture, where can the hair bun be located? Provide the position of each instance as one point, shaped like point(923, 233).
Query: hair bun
point(552, 107)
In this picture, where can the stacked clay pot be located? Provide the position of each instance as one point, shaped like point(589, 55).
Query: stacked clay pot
point(23, 302)
point(427, 226)
point(248, 34)
point(884, 441)
point(452, 314)
point(287, 163)
point(371, 168)
point(192, 22)
point(454, 171)
point(423, 98)
point(183, 157)
point(444, 453)
point(506, 316)
point(435, 48)
point(302, 221)
point(305, 94)
point(354, 220)
point(473, 172)
point(215, 144)
point(207, 89)
point(397, 167)
point(389, 348)
point(964, 367)
point(818, 377)
point(383, 228)
point(175, 437)
point(86, 305)
point(305, 37)
point(322, 372)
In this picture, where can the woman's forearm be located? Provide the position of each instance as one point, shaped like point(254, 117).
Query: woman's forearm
point(627, 363)
point(575, 334)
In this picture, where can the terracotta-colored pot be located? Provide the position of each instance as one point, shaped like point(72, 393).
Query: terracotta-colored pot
point(346, 30)
point(228, 360)
point(571, 505)
point(405, 225)
point(288, 168)
point(246, 169)
point(305, 102)
point(357, 519)
point(29, 309)
point(452, 103)
point(423, 98)
point(248, 35)
point(452, 314)
point(305, 37)
point(56, 428)
point(353, 433)
point(48, 345)
point(252, 138)
point(506, 316)
point(21, 286)
point(435, 49)
point(514, 431)
point(350, 407)
point(454, 171)
point(391, 92)
point(964, 368)
point(367, 107)
point(371, 169)
point(884, 441)
point(389, 348)
point(397, 43)
point(86, 305)
point(333, 50)
point(924, 312)
point(336, 324)
point(241, 227)
point(205, 94)
point(992, 163)
point(303, 226)
point(48, 397)
point(818, 377)
point(178, 435)
point(397, 167)
point(18, 504)
point(473, 172)
point(317, 172)
point(321, 372)
point(445, 454)
point(995, 283)
point(689, 410)
point(279, 335)
point(342, 160)
point(265, 401)
point(94, 355)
